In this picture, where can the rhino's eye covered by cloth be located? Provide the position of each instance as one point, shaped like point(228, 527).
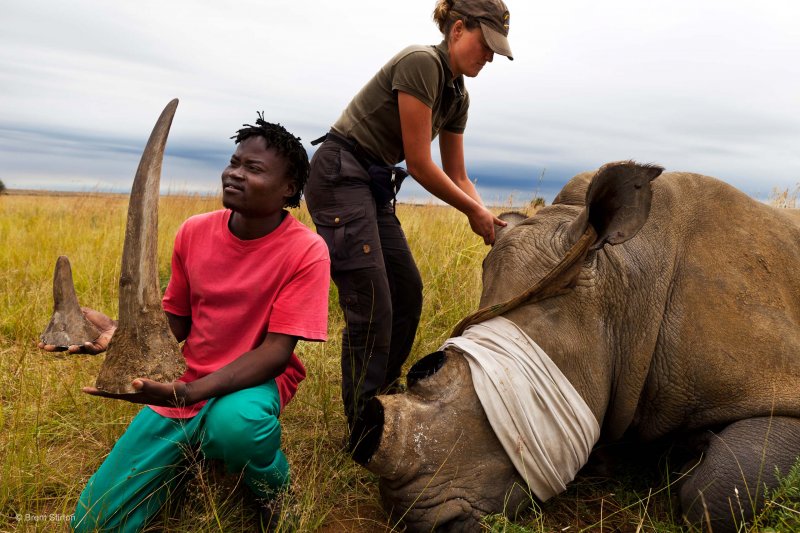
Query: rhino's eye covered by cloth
point(544, 425)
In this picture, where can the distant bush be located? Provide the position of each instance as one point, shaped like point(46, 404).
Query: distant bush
point(537, 202)
point(786, 198)
point(2, 187)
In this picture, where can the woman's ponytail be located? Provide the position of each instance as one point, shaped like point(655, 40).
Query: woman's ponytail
point(441, 14)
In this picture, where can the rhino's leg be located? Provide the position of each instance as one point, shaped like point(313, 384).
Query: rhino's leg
point(727, 487)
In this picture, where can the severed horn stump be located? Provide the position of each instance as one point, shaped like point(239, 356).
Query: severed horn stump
point(67, 326)
point(143, 345)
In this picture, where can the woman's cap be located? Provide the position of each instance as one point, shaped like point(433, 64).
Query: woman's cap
point(494, 19)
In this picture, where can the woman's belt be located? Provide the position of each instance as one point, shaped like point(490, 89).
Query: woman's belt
point(385, 180)
point(361, 155)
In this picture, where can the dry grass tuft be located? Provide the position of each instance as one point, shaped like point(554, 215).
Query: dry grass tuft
point(786, 198)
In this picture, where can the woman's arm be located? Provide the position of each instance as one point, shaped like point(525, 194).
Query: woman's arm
point(415, 124)
point(451, 148)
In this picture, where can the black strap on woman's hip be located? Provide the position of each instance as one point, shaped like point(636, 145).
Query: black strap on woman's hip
point(351, 146)
point(385, 180)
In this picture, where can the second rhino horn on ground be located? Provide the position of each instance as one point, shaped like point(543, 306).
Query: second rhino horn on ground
point(67, 326)
point(143, 345)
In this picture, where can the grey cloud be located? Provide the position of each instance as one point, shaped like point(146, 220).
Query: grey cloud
point(711, 89)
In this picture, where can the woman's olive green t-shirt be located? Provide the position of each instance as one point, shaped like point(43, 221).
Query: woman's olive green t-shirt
point(372, 118)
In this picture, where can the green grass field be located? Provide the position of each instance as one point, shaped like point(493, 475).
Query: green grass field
point(53, 437)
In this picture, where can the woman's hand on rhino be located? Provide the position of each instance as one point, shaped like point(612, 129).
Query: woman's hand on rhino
point(105, 325)
point(482, 222)
point(149, 392)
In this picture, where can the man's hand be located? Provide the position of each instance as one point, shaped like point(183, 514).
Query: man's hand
point(149, 392)
point(104, 325)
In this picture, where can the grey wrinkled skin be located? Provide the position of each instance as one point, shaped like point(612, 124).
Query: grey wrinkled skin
point(739, 464)
point(685, 319)
point(436, 474)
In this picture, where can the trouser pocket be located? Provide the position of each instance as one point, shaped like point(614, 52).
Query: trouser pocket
point(352, 236)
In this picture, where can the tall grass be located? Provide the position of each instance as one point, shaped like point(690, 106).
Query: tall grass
point(53, 437)
point(786, 198)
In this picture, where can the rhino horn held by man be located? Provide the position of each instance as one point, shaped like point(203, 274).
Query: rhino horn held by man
point(640, 304)
point(143, 345)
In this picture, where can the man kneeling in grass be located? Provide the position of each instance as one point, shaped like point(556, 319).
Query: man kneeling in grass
point(247, 282)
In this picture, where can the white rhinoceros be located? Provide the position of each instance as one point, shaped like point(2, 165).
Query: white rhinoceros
point(660, 308)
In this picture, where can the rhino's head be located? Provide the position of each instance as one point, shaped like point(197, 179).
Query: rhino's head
point(440, 464)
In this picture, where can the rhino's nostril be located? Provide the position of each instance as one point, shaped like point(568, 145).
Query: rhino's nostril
point(367, 431)
point(425, 367)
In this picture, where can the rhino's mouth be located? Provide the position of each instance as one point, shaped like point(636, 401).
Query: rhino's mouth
point(432, 510)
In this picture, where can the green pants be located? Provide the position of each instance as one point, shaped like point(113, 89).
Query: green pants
point(241, 429)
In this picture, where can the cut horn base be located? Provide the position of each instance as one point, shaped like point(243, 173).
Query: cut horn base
point(69, 329)
point(425, 367)
point(367, 431)
point(152, 353)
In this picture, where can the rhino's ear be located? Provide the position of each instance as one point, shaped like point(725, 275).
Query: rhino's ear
point(513, 218)
point(617, 202)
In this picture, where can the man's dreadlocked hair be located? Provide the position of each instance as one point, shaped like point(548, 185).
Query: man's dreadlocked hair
point(287, 145)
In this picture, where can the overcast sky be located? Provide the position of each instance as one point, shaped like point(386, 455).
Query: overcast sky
point(709, 86)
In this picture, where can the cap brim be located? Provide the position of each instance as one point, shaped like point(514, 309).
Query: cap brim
point(496, 41)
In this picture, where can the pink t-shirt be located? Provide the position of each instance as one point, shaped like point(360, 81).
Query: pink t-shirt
point(236, 291)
